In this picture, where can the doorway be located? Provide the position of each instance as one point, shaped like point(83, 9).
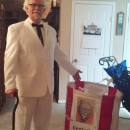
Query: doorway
point(92, 37)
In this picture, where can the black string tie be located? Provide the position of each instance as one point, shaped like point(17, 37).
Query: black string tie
point(39, 32)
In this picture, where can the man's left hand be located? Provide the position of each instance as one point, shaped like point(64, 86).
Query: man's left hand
point(76, 76)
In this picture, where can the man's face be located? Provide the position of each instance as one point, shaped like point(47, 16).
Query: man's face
point(35, 10)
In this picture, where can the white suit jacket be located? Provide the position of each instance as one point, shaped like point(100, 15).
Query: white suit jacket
point(28, 65)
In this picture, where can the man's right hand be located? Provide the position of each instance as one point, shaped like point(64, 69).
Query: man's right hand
point(11, 92)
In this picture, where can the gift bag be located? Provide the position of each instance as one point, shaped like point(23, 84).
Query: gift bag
point(92, 106)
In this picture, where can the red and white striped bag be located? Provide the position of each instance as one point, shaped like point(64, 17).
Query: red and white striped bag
point(92, 106)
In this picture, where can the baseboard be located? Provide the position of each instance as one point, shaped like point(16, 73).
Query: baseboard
point(61, 101)
point(123, 113)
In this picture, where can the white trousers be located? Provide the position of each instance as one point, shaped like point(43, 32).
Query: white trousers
point(35, 111)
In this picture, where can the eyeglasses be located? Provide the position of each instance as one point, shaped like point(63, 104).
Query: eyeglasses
point(37, 5)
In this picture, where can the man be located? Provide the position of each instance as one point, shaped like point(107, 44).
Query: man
point(29, 67)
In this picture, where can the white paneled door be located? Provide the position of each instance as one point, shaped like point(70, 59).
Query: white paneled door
point(91, 37)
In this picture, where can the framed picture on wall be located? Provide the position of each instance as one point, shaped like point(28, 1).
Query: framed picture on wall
point(119, 23)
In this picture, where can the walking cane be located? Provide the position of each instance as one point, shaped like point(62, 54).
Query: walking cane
point(15, 107)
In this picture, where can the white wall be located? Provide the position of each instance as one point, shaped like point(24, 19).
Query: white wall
point(65, 29)
point(65, 25)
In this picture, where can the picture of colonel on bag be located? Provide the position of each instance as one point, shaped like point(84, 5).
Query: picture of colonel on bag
point(85, 111)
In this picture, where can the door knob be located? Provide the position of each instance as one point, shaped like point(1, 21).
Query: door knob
point(75, 60)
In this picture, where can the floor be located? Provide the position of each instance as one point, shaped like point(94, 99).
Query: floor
point(57, 120)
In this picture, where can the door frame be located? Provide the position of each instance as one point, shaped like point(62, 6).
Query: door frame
point(126, 30)
point(113, 4)
point(126, 114)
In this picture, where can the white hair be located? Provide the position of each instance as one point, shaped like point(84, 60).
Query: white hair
point(45, 3)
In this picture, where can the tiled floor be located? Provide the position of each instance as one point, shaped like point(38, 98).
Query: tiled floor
point(57, 120)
